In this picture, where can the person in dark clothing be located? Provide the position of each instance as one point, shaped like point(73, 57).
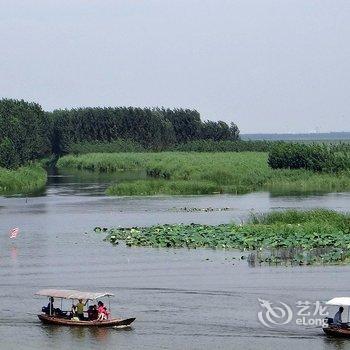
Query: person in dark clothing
point(92, 313)
point(49, 309)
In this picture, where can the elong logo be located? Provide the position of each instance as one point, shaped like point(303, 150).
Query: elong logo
point(274, 315)
point(280, 313)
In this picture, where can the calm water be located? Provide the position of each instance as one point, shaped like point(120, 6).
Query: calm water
point(182, 299)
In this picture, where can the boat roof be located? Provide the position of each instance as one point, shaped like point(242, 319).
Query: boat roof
point(72, 294)
point(340, 301)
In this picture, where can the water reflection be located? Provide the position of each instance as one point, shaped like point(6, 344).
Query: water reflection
point(86, 182)
point(82, 333)
point(296, 256)
point(100, 334)
point(14, 253)
point(331, 343)
point(79, 334)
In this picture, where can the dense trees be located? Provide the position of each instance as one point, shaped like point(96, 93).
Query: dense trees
point(145, 126)
point(186, 123)
point(27, 132)
point(23, 132)
point(154, 129)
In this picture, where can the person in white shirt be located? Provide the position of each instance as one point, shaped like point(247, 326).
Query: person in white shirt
point(337, 316)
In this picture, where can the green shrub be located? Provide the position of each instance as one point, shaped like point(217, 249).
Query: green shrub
point(116, 146)
point(315, 157)
point(224, 146)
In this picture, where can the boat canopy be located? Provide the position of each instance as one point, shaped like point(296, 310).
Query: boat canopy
point(341, 301)
point(72, 294)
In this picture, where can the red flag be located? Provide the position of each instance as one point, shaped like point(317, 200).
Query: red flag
point(14, 232)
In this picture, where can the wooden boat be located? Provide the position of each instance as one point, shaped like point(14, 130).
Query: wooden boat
point(63, 319)
point(338, 330)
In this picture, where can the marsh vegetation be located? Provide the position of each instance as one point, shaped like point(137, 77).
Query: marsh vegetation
point(25, 179)
point(206, 173)
point(301, 237)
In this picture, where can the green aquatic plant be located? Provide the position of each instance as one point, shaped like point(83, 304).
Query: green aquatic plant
point(304, 238)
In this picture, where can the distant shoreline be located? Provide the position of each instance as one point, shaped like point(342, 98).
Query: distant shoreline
point(327, 136)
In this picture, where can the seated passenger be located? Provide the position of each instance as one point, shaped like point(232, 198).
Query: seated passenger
point(49, 309)
point(337, 317)
point(92, 313)
point(102, 312)
point(73, 311)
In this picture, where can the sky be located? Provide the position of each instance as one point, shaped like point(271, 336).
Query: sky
point(267, 65)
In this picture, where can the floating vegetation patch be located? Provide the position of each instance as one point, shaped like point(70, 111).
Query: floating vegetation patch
point(198, 210)
point(298, 237)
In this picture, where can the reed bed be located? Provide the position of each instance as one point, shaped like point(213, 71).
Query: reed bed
point(25, 179)
point(203, 173)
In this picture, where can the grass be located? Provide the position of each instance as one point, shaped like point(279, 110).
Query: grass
point(203, 173)
point(292, 216)
point(302, 237)
point(104, 162)
point(25, 179)
point(161, 186)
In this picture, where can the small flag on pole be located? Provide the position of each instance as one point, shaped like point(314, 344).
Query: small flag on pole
point(14, 232)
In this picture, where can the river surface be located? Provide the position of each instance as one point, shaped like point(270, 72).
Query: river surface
point(182, 299)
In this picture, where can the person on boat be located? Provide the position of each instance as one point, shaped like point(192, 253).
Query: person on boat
point(73, 311)
point(49, 309)
point(337, 317)
point(80, 309)
point(92, 313)
point(102, 312)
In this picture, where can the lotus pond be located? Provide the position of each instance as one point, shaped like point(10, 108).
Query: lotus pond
point(299, 237)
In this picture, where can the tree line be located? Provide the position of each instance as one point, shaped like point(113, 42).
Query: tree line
point(24, 133)
point(27, 132)
point(153, 128)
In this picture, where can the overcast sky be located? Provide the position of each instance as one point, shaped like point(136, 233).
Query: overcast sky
point(269, 66)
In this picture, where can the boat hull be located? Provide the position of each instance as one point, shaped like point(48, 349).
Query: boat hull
point(337, 331)
point(114, 322)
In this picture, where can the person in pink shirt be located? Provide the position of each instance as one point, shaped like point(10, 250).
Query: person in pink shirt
point(102, 312)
